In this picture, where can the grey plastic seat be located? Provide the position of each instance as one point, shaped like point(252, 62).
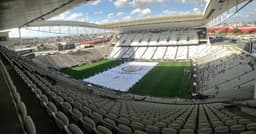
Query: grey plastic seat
point(160, 124)
point(175, 125)
point(146, 122)
point(139, 132)
point(123, 120)
point(137, 125)
point(102, 130)
point(110, 124)
point(251, 126)
point(22, 110)
point(43, 100)
point(74, 129)
point(61, 120)
point(249, 132)
point(217, 124)
point(150, 129)
point(51, 109)
point(66, 107)
point(205, 131)
point(186, 131)
point(17, 98)
point(237, 129)
point(169, 131)
point(59, 100)
point(29, 125)
point(96, 117)
point(76, 114)
point(38, 93)
point(86, 111)
point(77, 105)
point(243, 121)
point(88, 124)
point(123, 129)
point(203, 125)
point(221, 130)
point(230, 122)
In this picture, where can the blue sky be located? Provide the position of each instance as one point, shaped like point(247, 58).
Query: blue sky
point(104, 11)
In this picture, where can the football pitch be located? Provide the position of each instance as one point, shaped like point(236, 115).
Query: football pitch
point(85, 71)
point(166, 79)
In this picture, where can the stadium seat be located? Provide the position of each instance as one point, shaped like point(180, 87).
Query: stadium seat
point(17, 98)
point(29, 125)
point(88, 124)
point(62, 121)
point(102, 130)
point(150, 129)
point(237, 129)
point(110, 124)
point(51, 109)
point(186, 131)
point(249, 132)
point(251, 126)
point(137, 126)
point(74, 129)
point(169, 131)
point(123, 129)
point(22, 110)
point(66, 107)
point(139, 132)
point(205, 131)
point(244, 121)
point(85, 110)
point(76, 114)
point(160, 124)
point(221, 130)
point(43, 100)
point(96, 117)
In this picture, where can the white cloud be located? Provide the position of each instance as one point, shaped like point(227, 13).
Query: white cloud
point(121, 3)
point(110, 15)
point(119, 13)
point(95, 2)
point(169, 12)
point(126, 17)
point(196, 10)
point(143, 3)
point(68, 16)
point(141, 12)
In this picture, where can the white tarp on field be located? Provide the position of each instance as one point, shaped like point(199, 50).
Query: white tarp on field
point(122, 77)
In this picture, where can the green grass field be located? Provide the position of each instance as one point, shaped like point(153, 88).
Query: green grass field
point(167, 79)
point(88, 70)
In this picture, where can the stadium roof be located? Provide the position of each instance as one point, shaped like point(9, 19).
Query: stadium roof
point(20, 13)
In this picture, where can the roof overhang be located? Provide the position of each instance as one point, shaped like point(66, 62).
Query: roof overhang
point(22, 13)
point(19, 13)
